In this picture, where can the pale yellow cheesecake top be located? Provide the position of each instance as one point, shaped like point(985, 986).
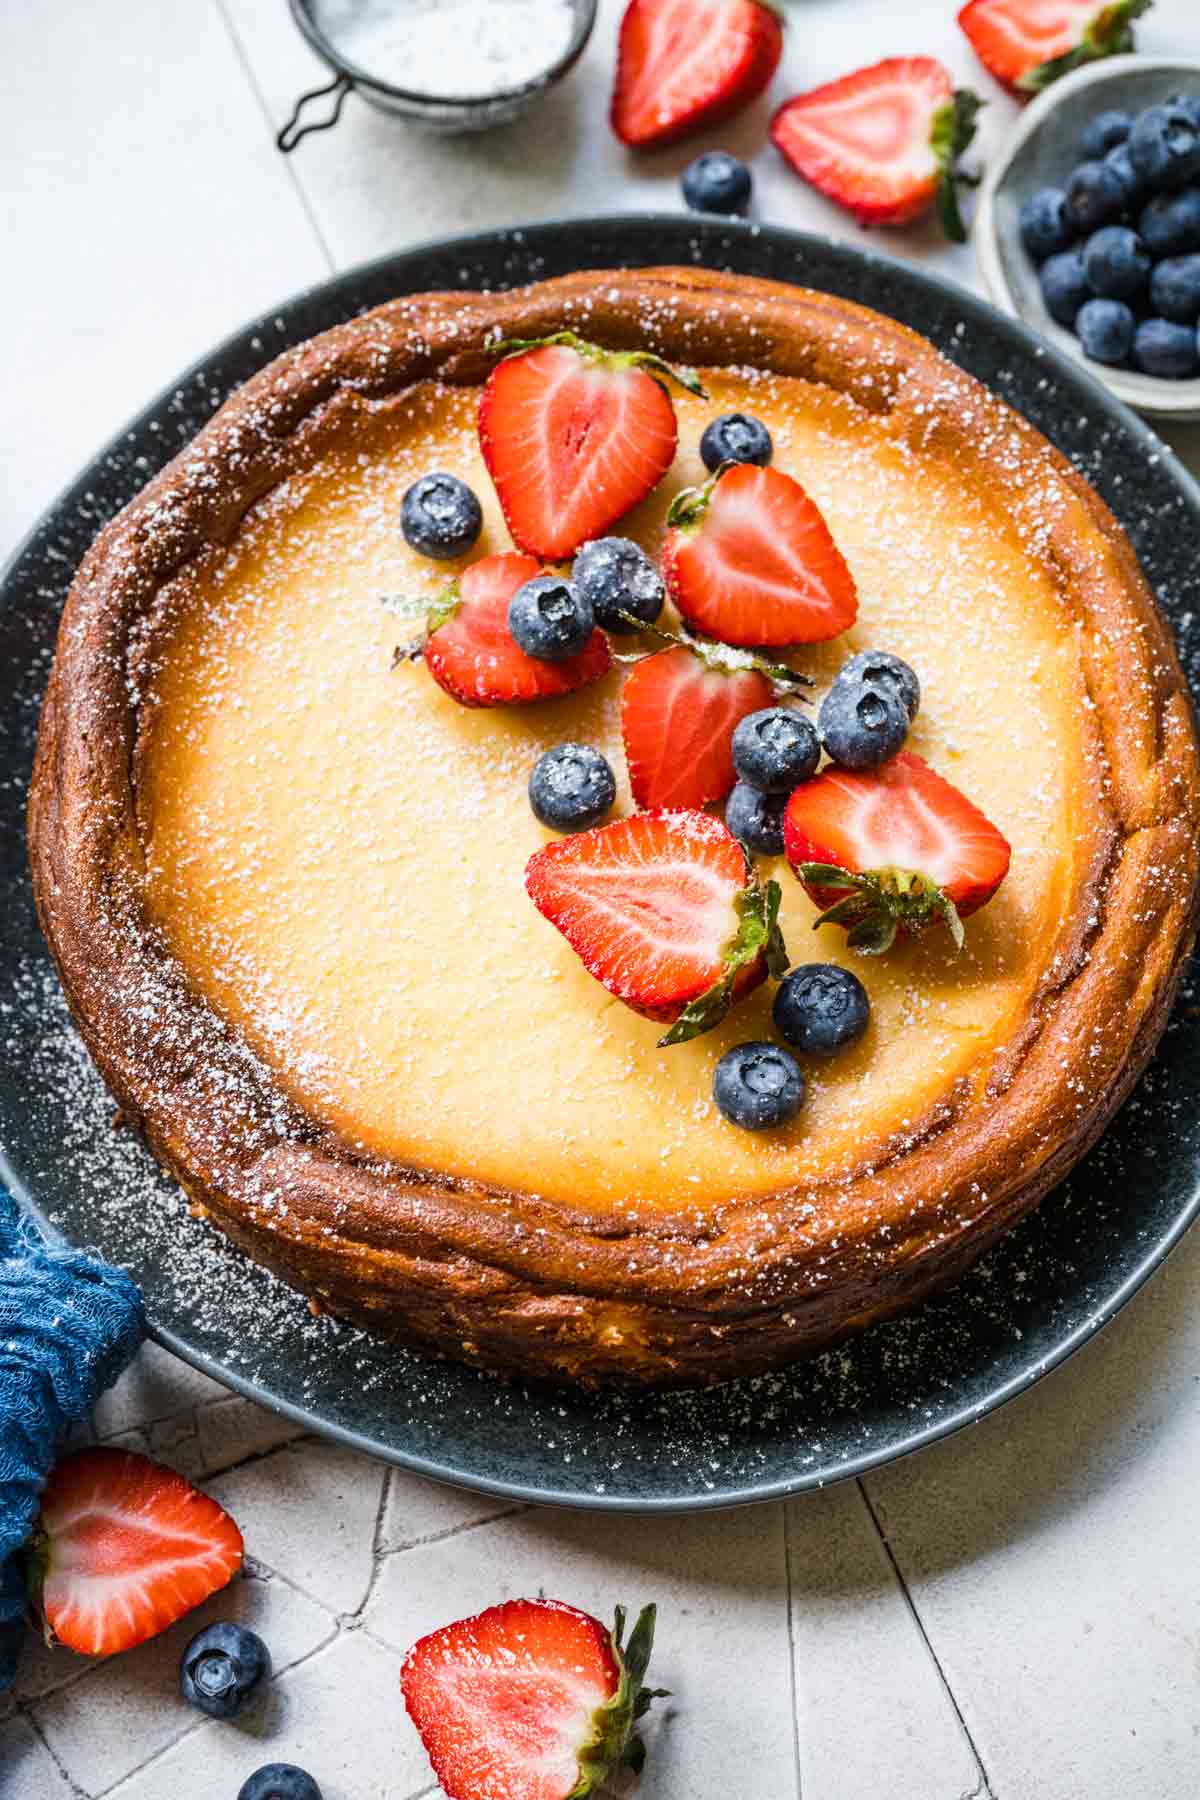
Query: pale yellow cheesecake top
point(335, 848)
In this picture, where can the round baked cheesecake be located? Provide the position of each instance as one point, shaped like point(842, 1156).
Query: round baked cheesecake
point(282, 871)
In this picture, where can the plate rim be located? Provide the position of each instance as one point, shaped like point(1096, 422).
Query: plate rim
point(643, 226)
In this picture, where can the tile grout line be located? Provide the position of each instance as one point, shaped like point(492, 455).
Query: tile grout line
point(24, 1709)
point(985, 1791)
point(260, 96)
point(791, 1636)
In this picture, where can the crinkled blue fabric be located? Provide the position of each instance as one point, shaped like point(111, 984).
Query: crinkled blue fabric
point(68, 1326)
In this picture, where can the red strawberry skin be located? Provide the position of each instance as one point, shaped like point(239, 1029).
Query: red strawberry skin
point(504, 1701)
point(1013, 38)
point(761, 567)
point(128, 1547)
point(903, 815)
point(571, 445)
point(864, 141)
point(473, 655)
point(648, 904)
point(677, 719)
point(686, 65)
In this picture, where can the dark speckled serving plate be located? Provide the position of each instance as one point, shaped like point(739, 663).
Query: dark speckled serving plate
point(1052, 1284)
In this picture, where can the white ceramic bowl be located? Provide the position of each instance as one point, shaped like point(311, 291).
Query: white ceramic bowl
point(1042, 152)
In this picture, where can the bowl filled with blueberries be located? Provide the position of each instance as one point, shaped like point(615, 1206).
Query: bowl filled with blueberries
point(1089, 227)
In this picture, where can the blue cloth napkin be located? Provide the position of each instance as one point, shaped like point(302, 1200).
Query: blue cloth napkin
point(68, 1326)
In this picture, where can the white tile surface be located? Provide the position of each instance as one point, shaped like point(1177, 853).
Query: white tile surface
point(1049, 1554)
point(864, 1676)
point(145, 215)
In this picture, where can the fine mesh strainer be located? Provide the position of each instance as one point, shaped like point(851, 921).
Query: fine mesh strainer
point(450, 65)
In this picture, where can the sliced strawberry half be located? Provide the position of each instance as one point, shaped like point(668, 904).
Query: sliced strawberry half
point(684, 65)
point(884, 142)
point(679, 710)
point(530, 1700)
point(469, 650)
point(574, 436)
point(749, 559)
point(899, 848)
point(664, 911)
point(124, 1547)
point(1027, 44)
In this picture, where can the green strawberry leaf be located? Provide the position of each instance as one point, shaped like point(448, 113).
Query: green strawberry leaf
point(613, 1741)
point(757, 934)
point(953, 129)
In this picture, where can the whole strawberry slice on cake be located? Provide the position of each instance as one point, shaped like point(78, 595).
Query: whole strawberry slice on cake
point(884, 142)
point(749, 559)
point(574, 436)
point(123, 1548)
point(897, 849)
point(685, 65)
point(679, 710)
point(470, 651)
point(530, 1700)
point(664, 910)
point(1027, 44)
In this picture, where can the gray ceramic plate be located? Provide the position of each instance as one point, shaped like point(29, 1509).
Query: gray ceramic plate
point(1048, 1288)
point(1041, 153)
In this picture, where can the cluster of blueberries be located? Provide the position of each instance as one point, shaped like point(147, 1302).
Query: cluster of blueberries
point(819, 1007)
point(222, 1672)
point(1119, 245)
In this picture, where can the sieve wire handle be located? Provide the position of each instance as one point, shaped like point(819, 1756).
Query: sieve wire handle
point(293, 131)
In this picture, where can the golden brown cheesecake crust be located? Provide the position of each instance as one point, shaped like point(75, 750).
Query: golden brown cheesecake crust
point(501, 1277)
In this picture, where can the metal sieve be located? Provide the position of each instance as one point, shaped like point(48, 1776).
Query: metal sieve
point(348, 36)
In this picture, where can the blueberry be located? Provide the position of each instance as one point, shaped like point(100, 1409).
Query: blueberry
point(1103, 133)
point(1163, 348)
point(440, 516)
point(1191, 106)
point(223, 1669)
point(1095, 196)
point(1105, 329)
point(1164, 147)
point(1175, 288)
point(1116, 262)
point(279, 1781)
point(617, 576)
point(1170, 223)
point(1045, 224)
point(862, 726)
point(820, 1008)
point(717, 183)
point(879, 668)
point(571, 787)
point(775, 749)
point(1131, 182)
point(756, 819)
point(736, 437)
point(550, 619)
point(757, 1086)
point(1064, 285)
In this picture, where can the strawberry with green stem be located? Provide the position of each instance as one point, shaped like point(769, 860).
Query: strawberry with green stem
point(894, 850)
point(665, 911)
point(530, 1700)
point(1027, 44)
point(749, 560)
point(680, 707)
point(574, 436)
point(885, 142)
point(469, 650)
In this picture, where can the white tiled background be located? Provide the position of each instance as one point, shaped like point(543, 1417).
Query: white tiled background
point(1013, 1614)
